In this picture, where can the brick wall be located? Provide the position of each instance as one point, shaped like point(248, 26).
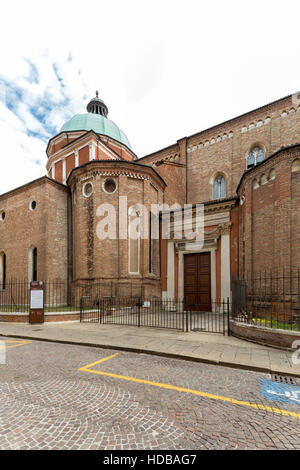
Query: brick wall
point(45, 228)
point(269, 215)
point(84, 155)
point(171, 165)
point(264, 336)
point(106, 260)
point(70, 164)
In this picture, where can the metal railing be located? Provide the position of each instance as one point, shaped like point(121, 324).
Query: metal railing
point(15, 297)
point(103, 303)
point(154, 313)
point(268, 299)
point(215, 321)
point(61, 296)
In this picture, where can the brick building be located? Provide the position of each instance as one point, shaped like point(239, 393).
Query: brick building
point(244, 171)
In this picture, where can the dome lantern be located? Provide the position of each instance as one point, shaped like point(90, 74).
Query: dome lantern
point(96, 120)
point(97, 106)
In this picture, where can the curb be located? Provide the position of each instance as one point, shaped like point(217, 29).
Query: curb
point(231, 365)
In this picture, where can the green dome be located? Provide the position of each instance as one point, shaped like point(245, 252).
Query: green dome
point(98, 123)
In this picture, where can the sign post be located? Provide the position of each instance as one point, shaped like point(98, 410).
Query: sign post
point(37, 299)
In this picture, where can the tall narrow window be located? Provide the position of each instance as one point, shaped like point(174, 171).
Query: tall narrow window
point(256, 156)
point(219, 187)
point(32, 264)
point(153, 223)
point(134, 241)
point(153, 242)
point(2, 271)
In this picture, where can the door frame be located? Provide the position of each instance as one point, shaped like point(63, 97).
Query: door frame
point(213, 271)
point(198, 254)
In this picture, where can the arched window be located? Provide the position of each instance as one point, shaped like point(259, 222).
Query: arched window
point(2, 270)
point(219, 187)
point(32, 264)
point(256, 156)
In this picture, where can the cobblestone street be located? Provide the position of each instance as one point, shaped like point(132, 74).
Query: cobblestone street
point(55, 396)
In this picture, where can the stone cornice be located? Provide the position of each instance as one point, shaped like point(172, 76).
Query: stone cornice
point(209, 207)
point(221, 206)
point(210, 236)
point(117, 168)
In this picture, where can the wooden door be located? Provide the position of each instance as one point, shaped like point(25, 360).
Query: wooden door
point(197, 286)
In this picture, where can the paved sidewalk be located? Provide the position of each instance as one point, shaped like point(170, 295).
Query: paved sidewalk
point(196, 346)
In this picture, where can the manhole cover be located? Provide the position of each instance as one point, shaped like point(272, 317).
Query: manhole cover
point(283, 379)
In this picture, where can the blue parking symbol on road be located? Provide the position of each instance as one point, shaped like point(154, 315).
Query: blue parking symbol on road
point(283, 393)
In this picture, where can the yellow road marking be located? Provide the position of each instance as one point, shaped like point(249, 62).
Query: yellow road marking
point(186, 390)
point(20, 343)
point(98, 362)
point(15, 341)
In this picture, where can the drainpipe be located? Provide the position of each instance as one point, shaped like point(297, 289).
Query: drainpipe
point(70, 246)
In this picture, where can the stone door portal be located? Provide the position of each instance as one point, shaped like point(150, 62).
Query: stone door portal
point(197, 282)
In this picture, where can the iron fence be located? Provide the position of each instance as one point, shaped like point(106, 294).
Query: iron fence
point(15, 297)
point(133, 312)
point(215, 321)
point(116, 303)
point(61, 296)
point(154, 313)
point(269, 299)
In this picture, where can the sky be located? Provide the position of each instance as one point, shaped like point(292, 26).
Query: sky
point(165, 69)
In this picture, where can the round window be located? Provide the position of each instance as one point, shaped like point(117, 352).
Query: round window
point(32, 205)
point(110, 186)
point(88, 189)
point(3, 215)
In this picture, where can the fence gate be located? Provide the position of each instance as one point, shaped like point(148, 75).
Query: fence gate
point(214, 321)
point(154, 313)
point(137, 311)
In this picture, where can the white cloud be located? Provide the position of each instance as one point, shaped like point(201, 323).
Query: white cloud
point(10, 119)
point(22, 158)
point(38, 95)
point(31, 123)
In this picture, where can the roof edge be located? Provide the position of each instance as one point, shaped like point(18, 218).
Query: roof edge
point(222, 123)
point(44, 178)
point(85, 133)
point(161, 150)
